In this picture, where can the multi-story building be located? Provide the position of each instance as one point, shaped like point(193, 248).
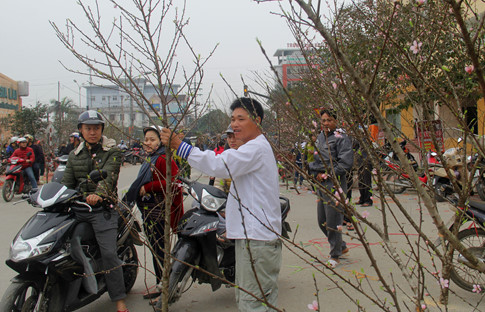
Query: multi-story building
point(117, 105)
point(291, 65)
point(10, 100)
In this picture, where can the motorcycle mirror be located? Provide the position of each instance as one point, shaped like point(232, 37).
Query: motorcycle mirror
point(98, 175)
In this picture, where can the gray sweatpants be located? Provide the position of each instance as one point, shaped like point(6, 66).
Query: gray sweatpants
point(105, 226)
point(329, 217)
point(267, 264)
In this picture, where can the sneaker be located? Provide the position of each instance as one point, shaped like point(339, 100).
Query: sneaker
point(346, 250)
point(332, 263)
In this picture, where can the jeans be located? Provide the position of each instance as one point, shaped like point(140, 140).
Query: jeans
point(30, 173)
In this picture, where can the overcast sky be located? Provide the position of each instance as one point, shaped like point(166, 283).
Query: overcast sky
point(31, 51)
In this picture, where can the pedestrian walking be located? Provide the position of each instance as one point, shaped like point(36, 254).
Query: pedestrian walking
point(334, 160)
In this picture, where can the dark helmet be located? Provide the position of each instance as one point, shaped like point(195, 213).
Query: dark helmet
point(90, 117)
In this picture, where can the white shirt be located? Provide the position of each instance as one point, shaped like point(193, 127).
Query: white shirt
point(252, 168)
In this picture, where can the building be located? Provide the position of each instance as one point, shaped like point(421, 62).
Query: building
point(11, 92)
point(117, 105)
point(291, 65)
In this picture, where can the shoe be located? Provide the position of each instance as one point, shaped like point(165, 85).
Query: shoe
point(153, 294)
point(154, 302)
point(332, 263)
point(366, 204)
point(345, 251)
point(350, 227)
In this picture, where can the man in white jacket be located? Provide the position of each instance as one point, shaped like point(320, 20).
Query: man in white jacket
point(253, 210)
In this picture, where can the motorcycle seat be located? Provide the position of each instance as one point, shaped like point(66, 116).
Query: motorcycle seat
point(479, 205)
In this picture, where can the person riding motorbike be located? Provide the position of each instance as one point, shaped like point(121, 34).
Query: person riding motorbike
point(97, 152)
point(39, 157)
point(12, 147)
point(23, 152)
point(74, 141)
point(122, 146)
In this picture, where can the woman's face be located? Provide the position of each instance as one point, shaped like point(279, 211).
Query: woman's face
point(152, 142)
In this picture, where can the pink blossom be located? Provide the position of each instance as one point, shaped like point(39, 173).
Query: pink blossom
point(423, 306)
point(416, 46)
point(477, 289)
point(420, 2)
point(444, 283)
point(365, 214)
point(314, 123)
point(334, 85)
point(313, 306)
point(469, 69)
point(338, 134)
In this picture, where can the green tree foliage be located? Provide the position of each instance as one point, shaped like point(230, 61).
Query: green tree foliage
point(65, 118)
point(214, 122)
point(29, 120)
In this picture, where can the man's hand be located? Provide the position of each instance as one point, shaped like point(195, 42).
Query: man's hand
point(93, 199)
point(322, 176)
point(142, 191)
point(166, 134)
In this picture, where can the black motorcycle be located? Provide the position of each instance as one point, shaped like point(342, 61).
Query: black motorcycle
point(57, 257)
point(200, 243)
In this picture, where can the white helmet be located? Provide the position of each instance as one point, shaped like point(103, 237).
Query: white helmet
point(14, 139)
point(20, 140)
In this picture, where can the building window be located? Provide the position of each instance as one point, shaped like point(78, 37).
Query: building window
point(115, 98)
point(103, 98)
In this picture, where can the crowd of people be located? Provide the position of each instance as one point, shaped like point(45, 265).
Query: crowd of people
point(242, 158)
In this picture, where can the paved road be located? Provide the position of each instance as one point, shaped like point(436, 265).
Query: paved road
point(296, 282)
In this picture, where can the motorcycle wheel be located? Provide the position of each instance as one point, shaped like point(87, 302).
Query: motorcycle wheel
point(129, 257)
point(462, 275)
point(179, 276)
point(393, 180)
point(8, 190)
point(22, 296)
point(481, 188)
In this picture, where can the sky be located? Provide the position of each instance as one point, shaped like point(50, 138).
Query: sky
point(31, 51)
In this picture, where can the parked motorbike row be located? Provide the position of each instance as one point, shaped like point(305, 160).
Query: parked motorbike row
point(472, 224)
point(57, 257)
point(133, 156)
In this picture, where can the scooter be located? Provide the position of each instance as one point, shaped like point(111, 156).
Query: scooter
point(17, 181)
point(200, 245)
point(57, 257)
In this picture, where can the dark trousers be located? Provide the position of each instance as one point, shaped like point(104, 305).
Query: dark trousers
point(105, 226)
point(365, 182)
point(36, 169)
point(330, 217)
point(154, 231)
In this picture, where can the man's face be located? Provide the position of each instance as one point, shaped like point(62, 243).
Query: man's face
point(92, 133)
point(23, 145)
point(71, 139)
point(233, 142)
point(328, 123)
point(244, 126)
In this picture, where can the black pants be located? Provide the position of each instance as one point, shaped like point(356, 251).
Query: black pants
point(365, 182)
point(154, 231)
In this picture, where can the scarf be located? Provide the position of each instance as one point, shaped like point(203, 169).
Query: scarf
point(144, 176)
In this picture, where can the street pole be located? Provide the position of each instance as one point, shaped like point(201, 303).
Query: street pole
point(79, 92)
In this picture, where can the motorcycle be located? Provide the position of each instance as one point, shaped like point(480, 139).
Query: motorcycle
point(57, 257)
point(200, 245)
point(61, 167)
point(16, 181)
point(472, 235)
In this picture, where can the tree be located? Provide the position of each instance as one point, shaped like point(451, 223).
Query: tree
point(65, 118)
point(29, 120)
point(214, 122)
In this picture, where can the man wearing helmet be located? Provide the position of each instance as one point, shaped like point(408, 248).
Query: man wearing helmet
point(26, 153)
point(97, 152)
point(39, 163)
point(12, 147)
point(74, 142)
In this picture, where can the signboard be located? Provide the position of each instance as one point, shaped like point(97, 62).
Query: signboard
point(424, 130)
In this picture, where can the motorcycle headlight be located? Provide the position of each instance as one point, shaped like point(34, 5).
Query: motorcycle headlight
point(210, 202)
point(22, 249)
